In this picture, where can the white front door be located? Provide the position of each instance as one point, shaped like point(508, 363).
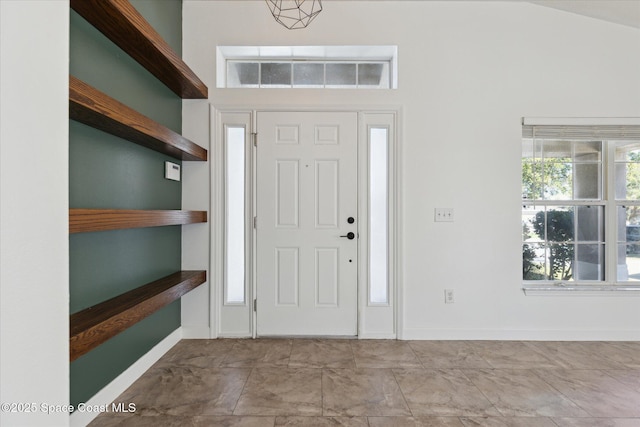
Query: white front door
point(307, 225)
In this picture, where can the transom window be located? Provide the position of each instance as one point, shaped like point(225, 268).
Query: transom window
point(580, 205)
point(354, 67)
point(290, 74)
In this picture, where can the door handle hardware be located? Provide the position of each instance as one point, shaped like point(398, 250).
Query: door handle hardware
point(350, 235)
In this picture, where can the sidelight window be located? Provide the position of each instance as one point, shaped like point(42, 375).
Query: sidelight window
point(235, 215)
point(378, 215)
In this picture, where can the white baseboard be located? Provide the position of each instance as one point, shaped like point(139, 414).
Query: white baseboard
point(116, 387)
point(520, 335)
point(377, 336)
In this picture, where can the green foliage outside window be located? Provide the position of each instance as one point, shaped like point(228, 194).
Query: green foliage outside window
point(559, 178)
point(559, 230)
point(545, 181)
point(633, 187)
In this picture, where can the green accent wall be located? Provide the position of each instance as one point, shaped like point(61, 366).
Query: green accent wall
point(108, 172)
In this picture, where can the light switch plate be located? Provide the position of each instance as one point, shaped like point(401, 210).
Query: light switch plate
point(443, 215)
point(172, 171)
point(448, 296)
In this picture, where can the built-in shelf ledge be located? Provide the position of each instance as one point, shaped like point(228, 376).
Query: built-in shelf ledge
point(86, 220)
point(93, 326)
point(90, 106)
point(119, 21)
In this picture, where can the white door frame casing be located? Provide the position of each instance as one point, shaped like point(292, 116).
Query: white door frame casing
point(378, 320)
point(375, 321)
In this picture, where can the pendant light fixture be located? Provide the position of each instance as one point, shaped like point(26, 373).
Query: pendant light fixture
point(294, 14)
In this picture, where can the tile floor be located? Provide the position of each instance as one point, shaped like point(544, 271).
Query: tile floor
point(305, 382)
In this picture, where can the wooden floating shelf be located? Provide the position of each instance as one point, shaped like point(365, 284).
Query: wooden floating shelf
point(119, 21)
point(86, 220)
point(90, 106)
point(93, 326)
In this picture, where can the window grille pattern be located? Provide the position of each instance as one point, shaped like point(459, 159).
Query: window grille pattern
point(308, 74)
point(580, 204)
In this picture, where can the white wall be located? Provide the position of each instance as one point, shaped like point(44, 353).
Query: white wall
point(468, 72)
point(196, 237)
point(34, 278)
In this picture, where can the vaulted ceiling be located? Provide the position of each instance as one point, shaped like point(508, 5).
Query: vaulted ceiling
point(625, 12)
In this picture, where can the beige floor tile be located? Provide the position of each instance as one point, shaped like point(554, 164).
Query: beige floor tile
point(628, 377)
point(362, 392)
point(321, 422)
point(186, 391)
point(321, 354)
point(512, 355)
point(197, 354)
point(574, 355)
point(262, 353)
point(626, 353)
point(597, 422)
point(317, 382)
point(597, 393)
point(447, 354)
point(415, 422)
point(182, 421)
point(384, 354)
point(521, 393)
point(282, 391)
point(507, 422)
point(442, 392)
point(235, 421)
point(112, 420)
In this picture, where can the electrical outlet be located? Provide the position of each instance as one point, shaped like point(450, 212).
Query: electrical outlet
point(448, 296)
point(444, 215)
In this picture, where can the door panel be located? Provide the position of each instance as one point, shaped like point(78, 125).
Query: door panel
point(287, 285)
point(306, 190)
point(327, 202)
point(287, 190)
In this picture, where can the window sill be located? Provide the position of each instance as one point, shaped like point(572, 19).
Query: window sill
point(582, 290)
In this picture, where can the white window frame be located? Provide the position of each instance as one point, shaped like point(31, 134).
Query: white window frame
point(379, 320)
point(611, 130)
point(350, 54)
point(230, 319)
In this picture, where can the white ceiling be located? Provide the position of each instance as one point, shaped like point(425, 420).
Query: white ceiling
point(625, 12)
